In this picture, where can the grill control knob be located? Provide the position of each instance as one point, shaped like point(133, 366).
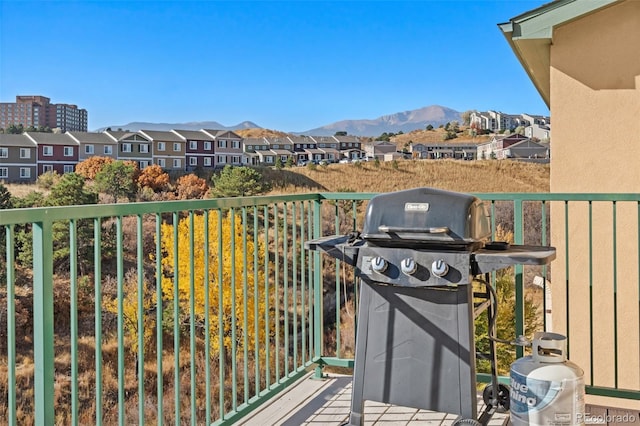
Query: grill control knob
point(408, 266)
point(378, 264)
point(439, 268)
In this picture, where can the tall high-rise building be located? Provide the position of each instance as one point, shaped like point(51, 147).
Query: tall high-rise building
point(38, 111)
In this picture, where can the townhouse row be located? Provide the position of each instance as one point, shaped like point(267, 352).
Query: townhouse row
point(25, 156)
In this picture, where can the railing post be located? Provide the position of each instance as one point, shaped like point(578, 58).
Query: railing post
point(317, 289)
point(43, 323)
point(518, 269)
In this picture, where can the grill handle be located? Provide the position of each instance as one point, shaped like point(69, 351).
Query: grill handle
point(395, 229)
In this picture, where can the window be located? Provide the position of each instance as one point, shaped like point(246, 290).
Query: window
point(68, 168)
point(276, 146)
point(222, 143)
point(143, 148)
point(4, 153)
point(207, 161)
point(47, 150)
point(161, 146)
point(161, 162)
point(143, 164)
point(25, 172)
point(108, 149)
point(176, 147)
point(88, 149)
point(47, 168)
point(25, 153)
point(193, 161)
point(235, 144)
point(248, 147)
point(68, 151)
point(4, 172)
point(126, 147)
point(177, 163)
point(236, 159)
point(207, 146)
point(193, 144)
point(268, 159)
point(283, 158)
point(222, 159)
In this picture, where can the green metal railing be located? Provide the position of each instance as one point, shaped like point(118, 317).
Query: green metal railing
point(199, 311)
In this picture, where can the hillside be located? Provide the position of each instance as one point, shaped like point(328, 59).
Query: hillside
point(259, 133)
point(454, 175)
point(435, 136)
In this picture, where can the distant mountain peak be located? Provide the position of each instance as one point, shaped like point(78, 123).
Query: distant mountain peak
point(405, 121)
point(192, 125)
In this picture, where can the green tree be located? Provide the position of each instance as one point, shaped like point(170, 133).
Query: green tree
point(238, 182)
point(429, 127)
point(5, 198)
point(117, 179)
point(14, 129)
point(289, 162)
point(341, 133)
point(279, 164)
point(71, 191)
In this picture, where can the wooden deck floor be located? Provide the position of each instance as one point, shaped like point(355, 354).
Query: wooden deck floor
point(327, 402)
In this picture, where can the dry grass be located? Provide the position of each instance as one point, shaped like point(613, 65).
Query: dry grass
point(436, 136)
point(453, 175)
point(259, 133)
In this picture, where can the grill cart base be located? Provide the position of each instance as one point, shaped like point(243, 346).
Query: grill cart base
point(415, 348)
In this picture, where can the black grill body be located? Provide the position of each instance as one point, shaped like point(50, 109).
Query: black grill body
point(416, 259)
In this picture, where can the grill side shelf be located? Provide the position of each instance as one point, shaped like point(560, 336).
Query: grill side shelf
point(337, 246)
point(485, 260)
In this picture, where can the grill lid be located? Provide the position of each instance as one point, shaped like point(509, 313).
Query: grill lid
point(426, 216)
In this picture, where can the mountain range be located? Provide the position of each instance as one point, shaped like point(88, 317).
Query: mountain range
point(405, 121)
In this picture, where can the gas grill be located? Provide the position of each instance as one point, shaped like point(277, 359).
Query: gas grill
point(416, 258)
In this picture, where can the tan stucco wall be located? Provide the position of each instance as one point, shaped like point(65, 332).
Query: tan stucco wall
point(595, 106)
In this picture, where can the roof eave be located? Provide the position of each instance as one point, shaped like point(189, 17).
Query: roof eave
point(530, 36)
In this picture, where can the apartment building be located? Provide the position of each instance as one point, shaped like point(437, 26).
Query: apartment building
point(227, 147)
point(18, 158)
point(94, 144)
point(167, 148)
point(38, 111)
point(56, 152)
point(199, 151)
point(132, 147)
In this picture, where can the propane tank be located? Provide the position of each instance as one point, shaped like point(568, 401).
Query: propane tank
point(546, 388)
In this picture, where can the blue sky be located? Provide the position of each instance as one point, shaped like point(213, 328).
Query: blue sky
point(291, 66)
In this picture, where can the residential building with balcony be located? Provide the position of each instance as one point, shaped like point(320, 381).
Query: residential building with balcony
point(132, 146)
point(350, 147)
point(250, 149)
point(57, 152)
point(281, 148)
point(18, 158)
point(94, 144)
point(443, 150)
point(199, 149)
point(497, 146)
point(329, 146)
